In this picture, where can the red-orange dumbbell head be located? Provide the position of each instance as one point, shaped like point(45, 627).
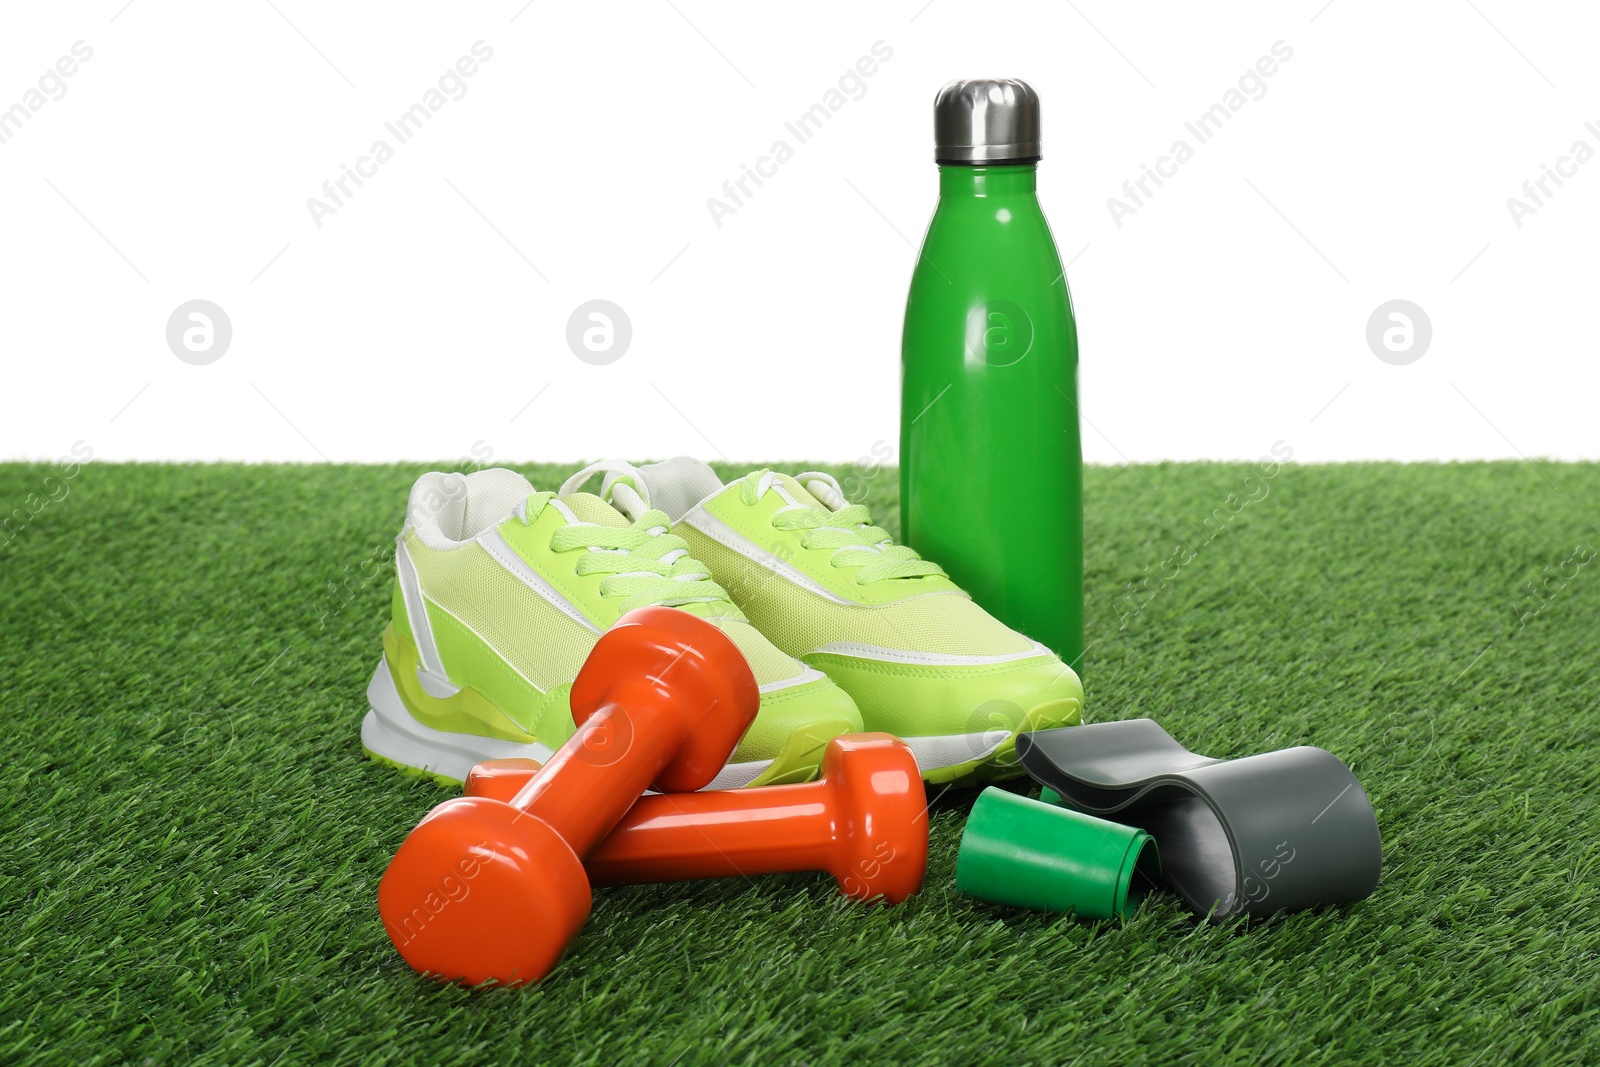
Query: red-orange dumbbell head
point(502, 779)
point(486, 889)
point(652, 657)
point(880, 813)
point(480, 890)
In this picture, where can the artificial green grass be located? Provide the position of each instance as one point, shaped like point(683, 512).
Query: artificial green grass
point(193, 840)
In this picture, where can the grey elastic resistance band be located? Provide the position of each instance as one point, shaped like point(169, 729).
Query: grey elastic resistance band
point(1261, 834)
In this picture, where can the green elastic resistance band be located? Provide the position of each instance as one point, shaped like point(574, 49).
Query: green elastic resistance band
point(1026, 854)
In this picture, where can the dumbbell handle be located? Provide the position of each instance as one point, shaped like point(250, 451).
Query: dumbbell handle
point(676, 837)
point(572, 794)
point(864, 822)
point(669, 837)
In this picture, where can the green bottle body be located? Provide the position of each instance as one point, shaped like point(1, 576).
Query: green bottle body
point(991, 465)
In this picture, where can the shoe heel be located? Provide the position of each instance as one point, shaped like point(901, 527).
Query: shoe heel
point(391, 734)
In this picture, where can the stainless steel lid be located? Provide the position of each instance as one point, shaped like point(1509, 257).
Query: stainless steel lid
point(986, 120)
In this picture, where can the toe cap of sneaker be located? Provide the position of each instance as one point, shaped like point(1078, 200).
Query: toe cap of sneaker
point(795, 724)
point(922, 700)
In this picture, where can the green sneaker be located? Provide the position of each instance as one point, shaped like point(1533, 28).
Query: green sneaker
point(921, 659)
point(500, 593)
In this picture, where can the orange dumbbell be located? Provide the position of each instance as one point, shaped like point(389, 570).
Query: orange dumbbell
point(495, 889)
point(865, 822)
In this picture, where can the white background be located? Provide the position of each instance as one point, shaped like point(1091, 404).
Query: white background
point(1229, 312)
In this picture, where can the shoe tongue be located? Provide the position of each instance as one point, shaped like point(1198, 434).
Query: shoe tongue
point(797, 491)
point(586, 507)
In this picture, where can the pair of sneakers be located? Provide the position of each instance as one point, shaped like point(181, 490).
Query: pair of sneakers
point(501, 591)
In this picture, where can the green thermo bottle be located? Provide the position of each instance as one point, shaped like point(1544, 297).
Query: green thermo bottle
point(991, 468)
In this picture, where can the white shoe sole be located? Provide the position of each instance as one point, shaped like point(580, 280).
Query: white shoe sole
point(978, 758)
point(950, 750)
point(390, 732)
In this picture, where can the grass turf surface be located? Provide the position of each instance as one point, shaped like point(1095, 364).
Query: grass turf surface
point(193, 841)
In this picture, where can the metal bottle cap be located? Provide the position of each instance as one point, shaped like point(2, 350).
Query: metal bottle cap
point(986, 120)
